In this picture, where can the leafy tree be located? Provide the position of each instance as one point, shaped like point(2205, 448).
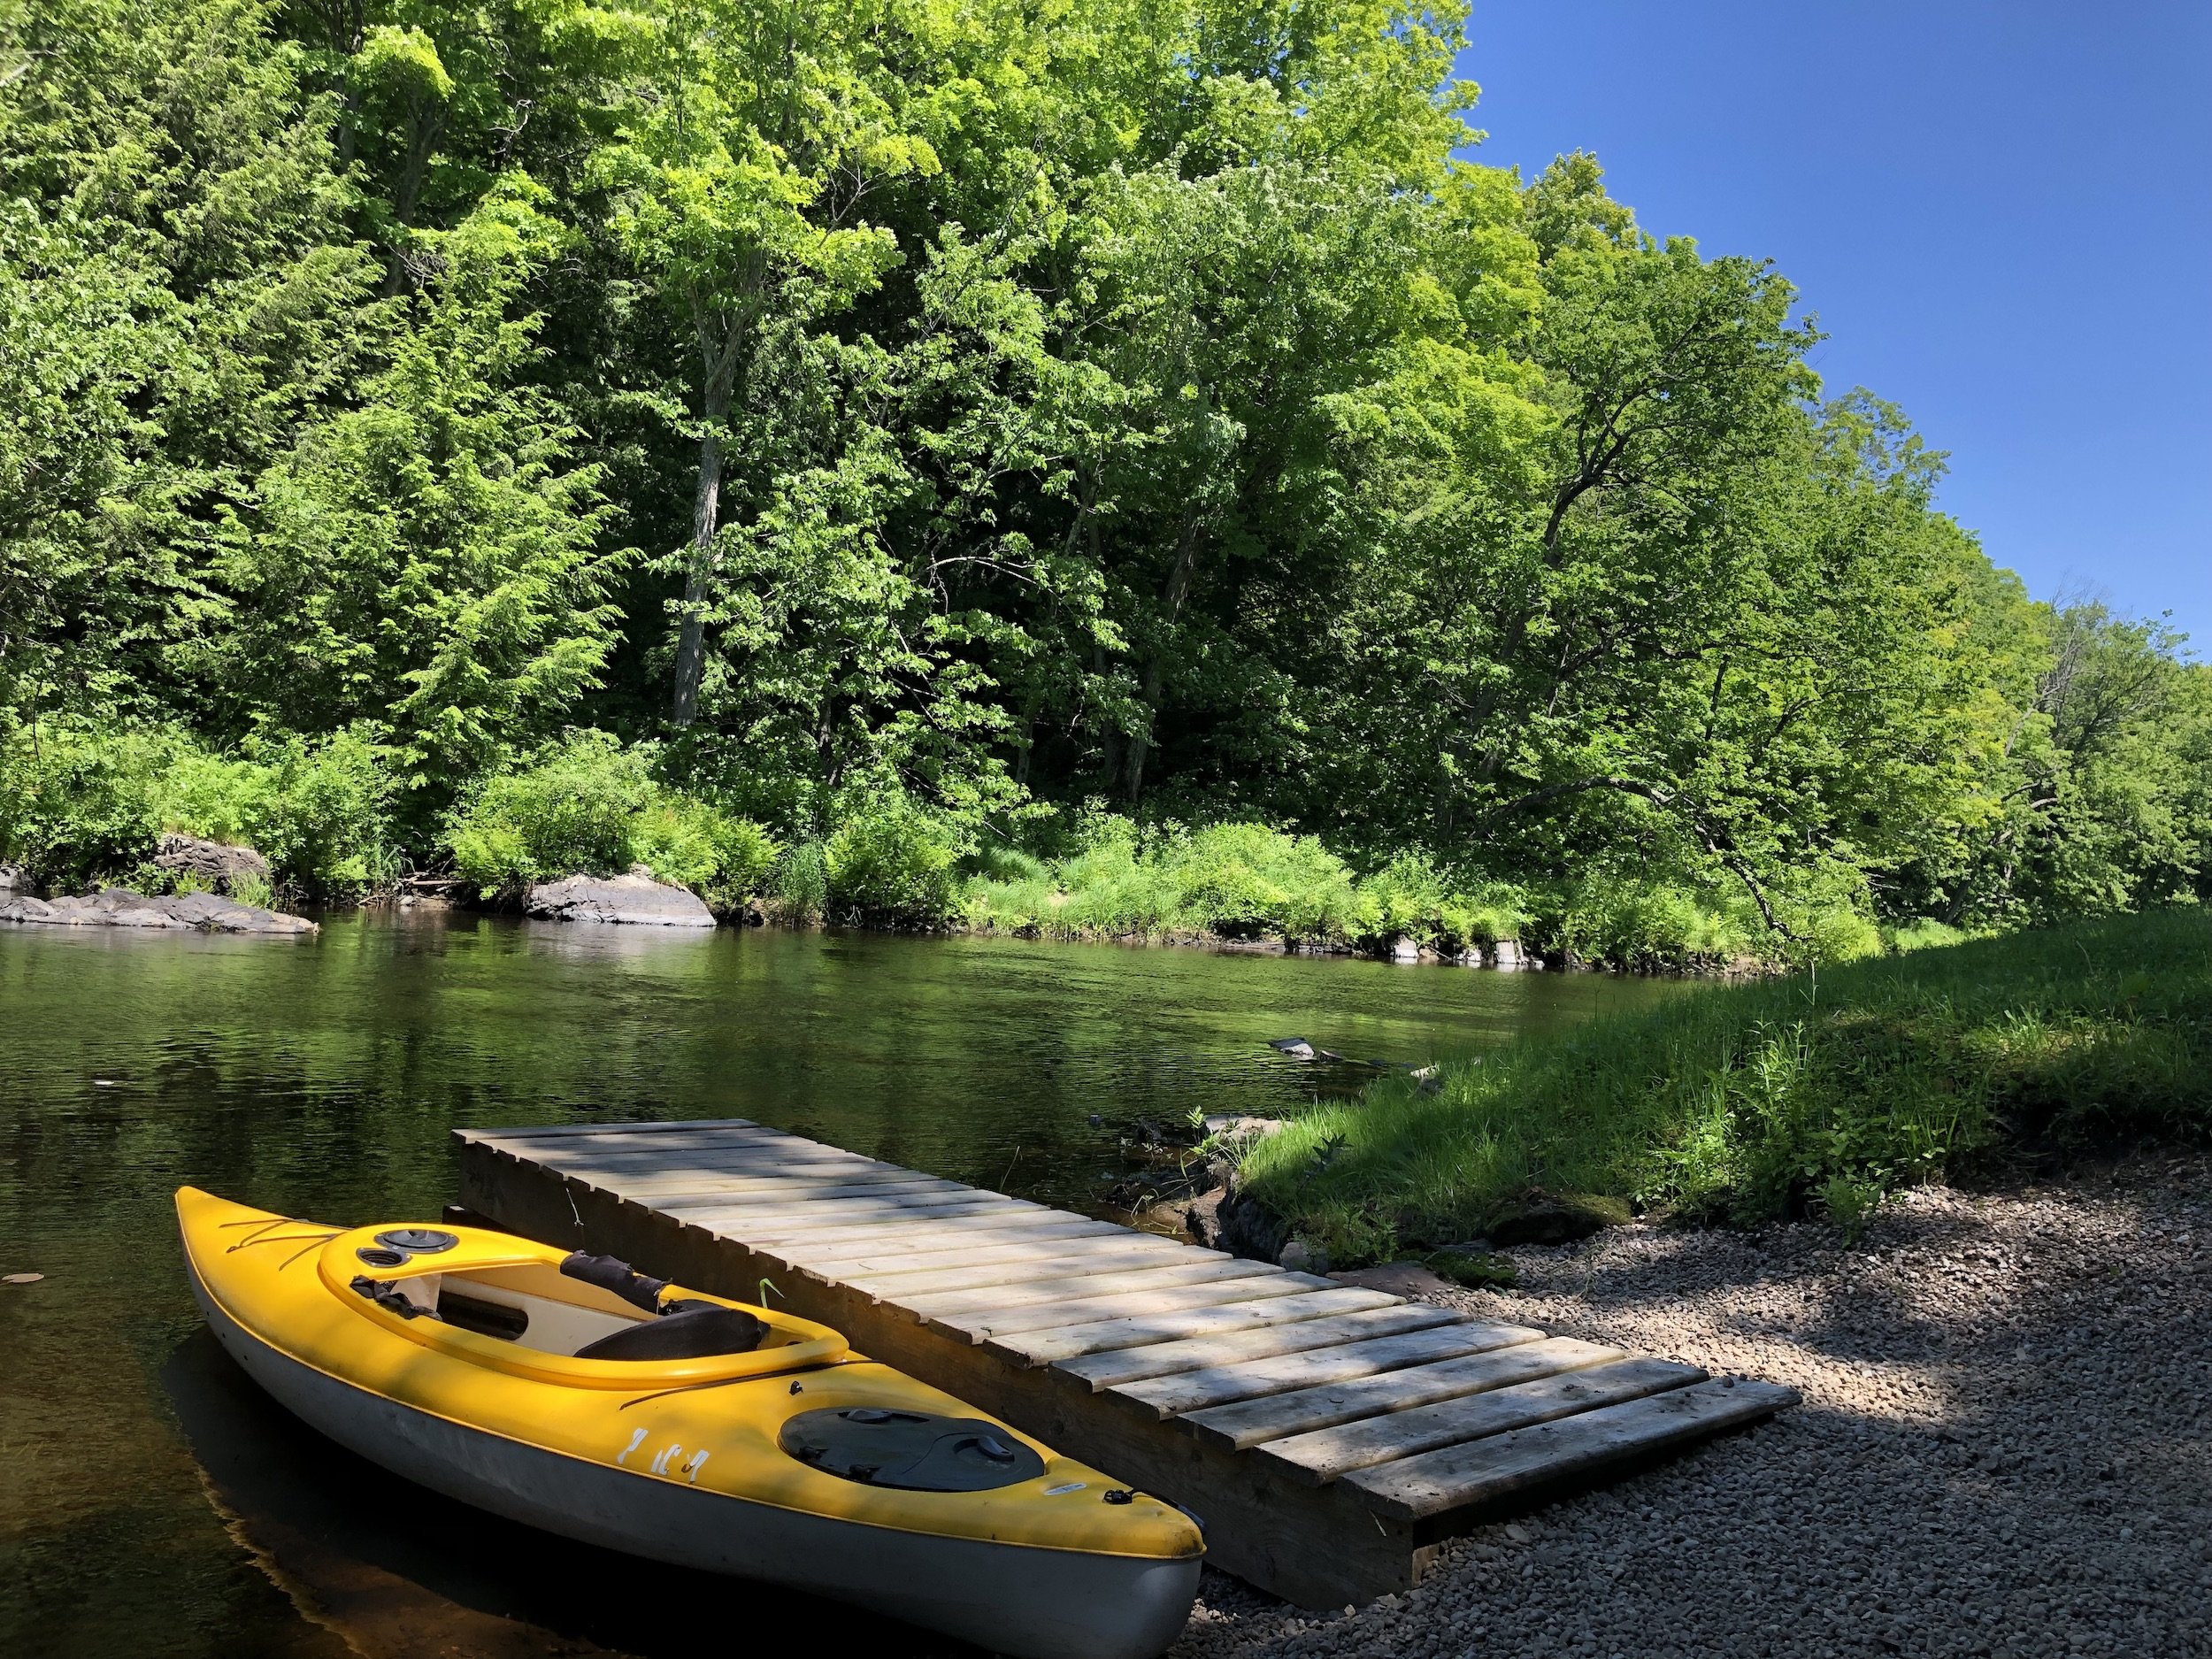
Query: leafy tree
point(428, 561)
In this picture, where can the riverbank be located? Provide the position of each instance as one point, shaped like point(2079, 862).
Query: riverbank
point(1821, 1093)
point(2002, 1448)
point(330, 824)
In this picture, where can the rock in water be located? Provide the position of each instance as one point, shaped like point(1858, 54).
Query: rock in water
point(120, 907)
point(635, 898)
point(218, 864)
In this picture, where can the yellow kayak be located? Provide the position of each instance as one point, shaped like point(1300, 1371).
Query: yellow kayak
point(572, 1394)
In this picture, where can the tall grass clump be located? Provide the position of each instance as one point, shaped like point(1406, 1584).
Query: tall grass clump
point(1815, 1094)
point(1107, 877)
point(588, 806)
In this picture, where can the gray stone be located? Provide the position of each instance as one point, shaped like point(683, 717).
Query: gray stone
point(121, 907)
point(1239, 1126)
point(218, 864)
point(1506, 954)
point(636, 899)
point(1298, 1256)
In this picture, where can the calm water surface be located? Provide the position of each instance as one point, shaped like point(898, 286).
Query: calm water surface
point(153, 1503)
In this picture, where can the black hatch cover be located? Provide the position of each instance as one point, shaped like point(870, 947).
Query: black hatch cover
point(915, 1451)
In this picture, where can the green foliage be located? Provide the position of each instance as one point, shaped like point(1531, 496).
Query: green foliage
point(1808, 1094)
point(589, 806)
point(888, 862)
point(81, 805)
point(1244, 880)
point(1009, 408)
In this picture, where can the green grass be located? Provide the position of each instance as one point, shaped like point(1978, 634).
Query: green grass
point(1814, 1094)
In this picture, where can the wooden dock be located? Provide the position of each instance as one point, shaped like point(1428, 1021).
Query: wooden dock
point(1328, 1435)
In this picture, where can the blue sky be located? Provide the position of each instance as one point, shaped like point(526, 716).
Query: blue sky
point(2001, 213)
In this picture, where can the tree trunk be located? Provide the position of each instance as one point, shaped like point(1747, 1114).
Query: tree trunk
point(720, 335)
point(1156, 662)
point(691, 639)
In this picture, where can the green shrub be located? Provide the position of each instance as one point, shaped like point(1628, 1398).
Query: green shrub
point(589, 806)
point(86, 805)
point(1242, 880)
point(571, 813)
point(1410, 897)
point(77, 805)
point(889, 862)
point(726, 860)
point(324, 821)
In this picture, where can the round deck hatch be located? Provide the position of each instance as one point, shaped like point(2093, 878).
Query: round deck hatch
point(417, 1240)
point(915, 1451)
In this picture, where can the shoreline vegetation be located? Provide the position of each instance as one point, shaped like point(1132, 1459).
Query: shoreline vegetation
point(1817, 1094)
point(92, 810)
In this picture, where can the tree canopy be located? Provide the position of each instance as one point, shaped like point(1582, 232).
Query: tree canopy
point(1001, 407)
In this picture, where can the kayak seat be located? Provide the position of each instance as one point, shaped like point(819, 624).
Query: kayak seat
point(700, 1330)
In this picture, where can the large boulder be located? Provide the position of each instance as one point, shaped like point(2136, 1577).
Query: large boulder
point(121, 907)
point(218, 864)
point(635, 898)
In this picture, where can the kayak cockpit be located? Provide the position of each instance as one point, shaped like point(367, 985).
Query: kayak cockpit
point(591, 1321)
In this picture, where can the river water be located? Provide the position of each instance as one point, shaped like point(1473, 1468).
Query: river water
point(153, 1503)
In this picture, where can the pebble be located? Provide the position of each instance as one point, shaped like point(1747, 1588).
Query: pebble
point(2005, 1446)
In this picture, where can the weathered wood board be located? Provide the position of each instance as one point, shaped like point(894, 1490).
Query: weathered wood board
point(1330, 1435)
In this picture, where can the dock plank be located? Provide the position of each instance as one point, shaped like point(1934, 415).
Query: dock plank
point(840, 1243)
point(865, 1270)
point(938, 1269)
point(1246, 1379)
point(1246, 1423)
point(1340, 1323)
point(1031, 1290)
point(767, 1194)
point(1058, 1346)
point(1326, 1454)
point(977, 1326)
point(543, 1133)
point(1485, 1470)
point(776, 1219)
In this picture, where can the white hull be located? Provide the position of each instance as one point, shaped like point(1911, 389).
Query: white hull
point(1011, 1598)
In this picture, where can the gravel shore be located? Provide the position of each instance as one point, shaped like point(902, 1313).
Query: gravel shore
point(2005, 1446)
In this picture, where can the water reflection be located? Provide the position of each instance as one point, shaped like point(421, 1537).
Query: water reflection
point(395, 1571)
point(322, 1077)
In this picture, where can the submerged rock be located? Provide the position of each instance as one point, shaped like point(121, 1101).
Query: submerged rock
point(635, 898)
point(121, 907)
